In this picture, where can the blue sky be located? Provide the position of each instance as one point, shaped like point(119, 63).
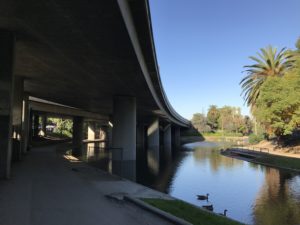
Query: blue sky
point(202, 46)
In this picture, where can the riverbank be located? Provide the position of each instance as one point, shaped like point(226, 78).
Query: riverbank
point(190, 213)
point(230, 139)
point(275, 159)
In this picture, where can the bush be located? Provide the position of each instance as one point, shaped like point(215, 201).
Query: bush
point(254, 139)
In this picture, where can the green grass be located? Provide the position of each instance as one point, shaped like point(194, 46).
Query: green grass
point(280, 161)
point(189, 212)
point(220, 134)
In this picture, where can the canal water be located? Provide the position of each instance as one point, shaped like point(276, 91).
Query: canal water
point(252, 194)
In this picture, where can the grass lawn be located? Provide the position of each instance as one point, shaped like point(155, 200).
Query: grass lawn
point(280, 161)
point(189, 212)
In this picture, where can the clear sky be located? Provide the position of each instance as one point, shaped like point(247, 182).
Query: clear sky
point(202, 46)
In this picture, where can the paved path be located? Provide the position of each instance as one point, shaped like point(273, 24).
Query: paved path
point(45, 189)
point(281, 152)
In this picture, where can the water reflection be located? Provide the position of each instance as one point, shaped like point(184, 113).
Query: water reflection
point(209, 153)
point(153, 160)
point(252, 193)
point(276, 202)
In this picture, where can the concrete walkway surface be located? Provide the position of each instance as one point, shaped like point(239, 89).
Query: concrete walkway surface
point(48, 189)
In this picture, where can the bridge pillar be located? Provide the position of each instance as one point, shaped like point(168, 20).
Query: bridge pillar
point(91, 137)
point(153, 155)
point(44, 123)
point(103, 136)
point(140, 136)
point(17, 118)
point(109, 136)
point(25, 124)
point(77, 136)
point(167, 141)
point(124, 128)
point(153, 134)
point(176, 135)
point(7, 89)
point(36, 124)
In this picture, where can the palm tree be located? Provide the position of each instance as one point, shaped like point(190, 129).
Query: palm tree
point(268, 63)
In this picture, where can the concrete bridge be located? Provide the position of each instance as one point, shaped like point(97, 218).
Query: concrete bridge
point(96, 60)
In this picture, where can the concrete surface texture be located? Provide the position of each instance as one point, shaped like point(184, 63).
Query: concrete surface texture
point(47, 189)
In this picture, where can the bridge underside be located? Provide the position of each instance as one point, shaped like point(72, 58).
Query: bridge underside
point(75, 54)
point(85, 55)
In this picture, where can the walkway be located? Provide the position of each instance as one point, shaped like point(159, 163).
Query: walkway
point(287, 152)
point(46, 189)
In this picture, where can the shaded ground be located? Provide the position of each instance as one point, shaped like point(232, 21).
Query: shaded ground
point(47, 189)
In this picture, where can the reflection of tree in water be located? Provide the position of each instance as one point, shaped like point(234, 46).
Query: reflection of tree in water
point(212, 156)
point(275, 204)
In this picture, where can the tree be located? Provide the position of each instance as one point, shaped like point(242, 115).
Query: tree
point(200, 123)
point(278, 106)
point(63, 126)
point(298, 45)
point(269, 63)
point(230, 119)
point(246, 126)
point(213, 115)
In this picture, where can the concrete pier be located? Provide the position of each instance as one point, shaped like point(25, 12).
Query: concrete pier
point(36, 124)
point(77, 136)
point(167, 149)
point(176, 134)
point(17, 118)
point(44, 123)
point(124, 128)
point(153, 134)
point(25, 124)
point(153, 148)
point(7, 42)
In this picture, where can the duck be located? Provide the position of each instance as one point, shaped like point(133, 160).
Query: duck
point(208, 207)
point(224, 213)
point(202, 197)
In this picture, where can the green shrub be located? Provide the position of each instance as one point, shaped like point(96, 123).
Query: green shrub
point(254, 139)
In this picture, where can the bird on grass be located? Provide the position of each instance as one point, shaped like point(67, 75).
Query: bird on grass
point(208, 207)
point(224, 213)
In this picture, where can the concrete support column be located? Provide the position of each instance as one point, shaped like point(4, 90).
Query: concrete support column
point(77, 136)
point(168, 141)
point(153, 134)
point(17, 117)
point(177, 137)
point(124, 128)
point(153, 154)
point(25, 123)
point(91, 131)
point(109, 136)
point(7, 42)
point(140, 136)
point(103, 136)
point(44, 124)
point(91, 137)
point(36, 124)
point(30, 127)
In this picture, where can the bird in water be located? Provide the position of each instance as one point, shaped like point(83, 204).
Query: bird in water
point(202, 197)
point(224, 213)
point(208, 207)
